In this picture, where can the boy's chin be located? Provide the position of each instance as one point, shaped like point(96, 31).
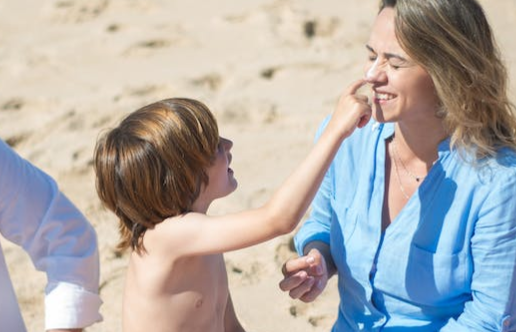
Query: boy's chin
point(234, 188)
point(231, 190)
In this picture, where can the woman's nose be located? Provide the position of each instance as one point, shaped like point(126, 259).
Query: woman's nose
point(375, 72)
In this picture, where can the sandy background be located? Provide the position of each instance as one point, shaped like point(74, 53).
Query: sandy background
point(269, 69)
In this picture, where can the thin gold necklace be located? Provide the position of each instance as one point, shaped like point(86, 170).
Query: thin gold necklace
point(398, 178)
point(397, 156)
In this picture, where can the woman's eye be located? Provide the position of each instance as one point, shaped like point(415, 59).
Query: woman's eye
point(395, 64)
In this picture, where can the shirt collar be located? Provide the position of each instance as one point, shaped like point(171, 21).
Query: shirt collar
point(387, 130)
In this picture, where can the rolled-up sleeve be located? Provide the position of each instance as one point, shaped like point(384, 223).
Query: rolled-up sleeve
point(59, 240)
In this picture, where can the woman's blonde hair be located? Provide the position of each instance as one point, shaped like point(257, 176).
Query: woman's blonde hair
point(453, 41)
point(152, 166)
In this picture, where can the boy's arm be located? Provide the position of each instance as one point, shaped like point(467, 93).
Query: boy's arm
point(199, 234)
point(231, 323)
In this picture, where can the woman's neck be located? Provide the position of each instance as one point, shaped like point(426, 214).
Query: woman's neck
point(419, 143)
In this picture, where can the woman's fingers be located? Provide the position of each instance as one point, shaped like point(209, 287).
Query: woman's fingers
point(303, 288)
point(291, 282)
point(305, 277)
point(314, 292)
point(296, 264)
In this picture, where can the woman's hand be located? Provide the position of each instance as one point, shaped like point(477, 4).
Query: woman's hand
point(305, 277)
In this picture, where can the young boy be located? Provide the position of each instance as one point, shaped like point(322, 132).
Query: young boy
point(159, 171)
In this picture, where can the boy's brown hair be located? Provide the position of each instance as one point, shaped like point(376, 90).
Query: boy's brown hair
point(152, 166)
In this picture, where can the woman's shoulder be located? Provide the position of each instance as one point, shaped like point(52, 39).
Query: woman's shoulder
point(499, 169)
point(504, 164)
point(506, 158)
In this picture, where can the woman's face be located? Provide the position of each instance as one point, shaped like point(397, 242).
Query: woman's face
point(402, 89)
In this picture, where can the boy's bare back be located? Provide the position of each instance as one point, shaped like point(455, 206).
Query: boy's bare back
point(164, 292)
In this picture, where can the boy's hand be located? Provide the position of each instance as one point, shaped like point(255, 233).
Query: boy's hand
point(353, 110)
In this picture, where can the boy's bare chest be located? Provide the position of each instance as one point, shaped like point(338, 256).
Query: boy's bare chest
point(207, 296)
point(193, 297)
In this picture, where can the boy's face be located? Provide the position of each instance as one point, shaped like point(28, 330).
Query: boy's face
point(221, 179)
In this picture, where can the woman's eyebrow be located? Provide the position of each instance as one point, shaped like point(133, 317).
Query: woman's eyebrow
point(387, 55)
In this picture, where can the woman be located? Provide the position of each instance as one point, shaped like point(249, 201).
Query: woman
point(417, 214)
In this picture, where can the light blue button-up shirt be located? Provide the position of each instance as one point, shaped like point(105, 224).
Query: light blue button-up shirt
point(448, 260)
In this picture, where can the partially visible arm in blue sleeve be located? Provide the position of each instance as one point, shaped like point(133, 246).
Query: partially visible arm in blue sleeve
point(493, 248)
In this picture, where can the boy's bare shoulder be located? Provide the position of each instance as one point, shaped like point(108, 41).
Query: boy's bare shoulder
point(182, 221)
point(174, 231)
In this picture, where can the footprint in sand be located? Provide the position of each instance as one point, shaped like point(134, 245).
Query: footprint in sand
point(75, 11)
point(147, 93)
point(13, 104)
point(320, 28)
point(243, 111)
point(9, 106)
point(246, 273)
point(15, 140)
point(304, 310)
point(298, 27)
point(284, 251)
point(298, 309)
point(102, 121)
point(212, 81)
point(268, 73)
point(320, 320)
point(147, 47)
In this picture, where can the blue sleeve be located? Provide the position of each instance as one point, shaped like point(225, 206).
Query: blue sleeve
point(317, 226)
point(493, 249)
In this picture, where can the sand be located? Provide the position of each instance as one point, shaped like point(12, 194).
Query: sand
point(270, 70)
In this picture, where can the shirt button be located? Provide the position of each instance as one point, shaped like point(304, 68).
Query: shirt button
point(506, 322)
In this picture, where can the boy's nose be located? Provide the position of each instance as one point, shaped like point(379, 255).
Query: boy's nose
point(228, 144)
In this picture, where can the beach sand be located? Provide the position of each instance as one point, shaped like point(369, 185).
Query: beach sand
point(270, 70)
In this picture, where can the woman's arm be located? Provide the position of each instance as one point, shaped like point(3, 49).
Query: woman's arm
point(493, 248)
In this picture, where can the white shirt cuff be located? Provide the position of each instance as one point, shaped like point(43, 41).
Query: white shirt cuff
point(70, 306)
